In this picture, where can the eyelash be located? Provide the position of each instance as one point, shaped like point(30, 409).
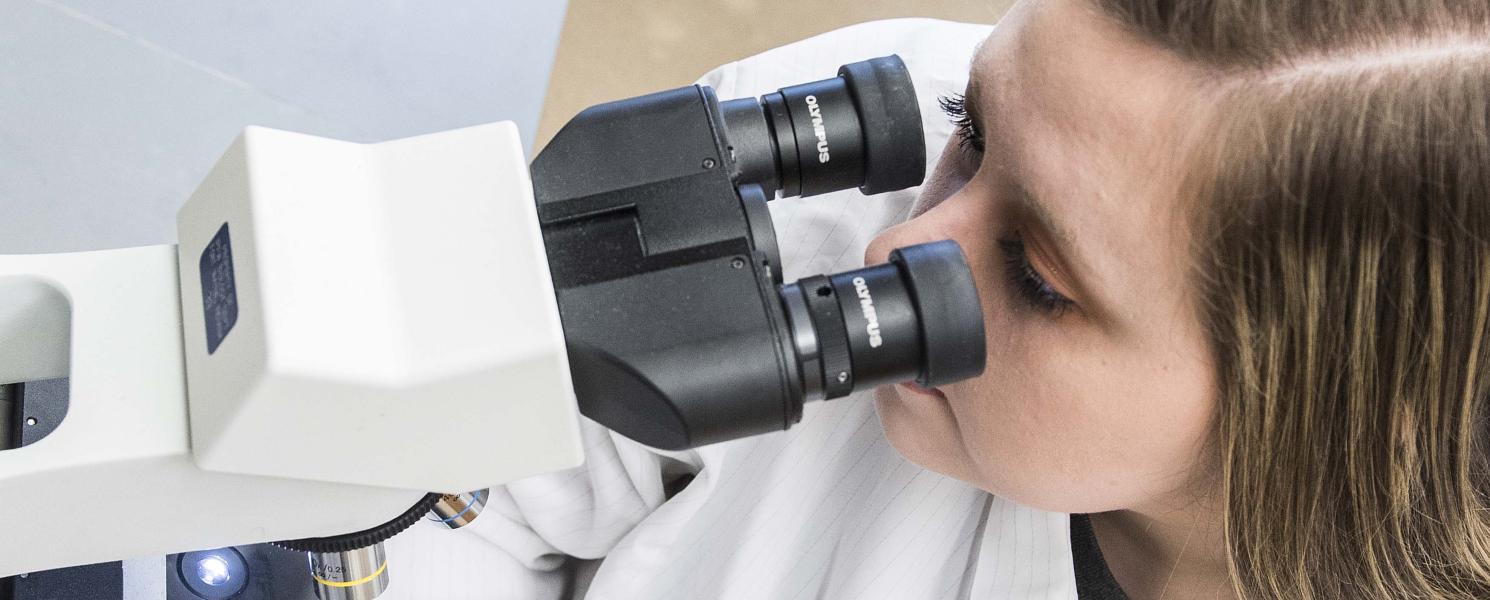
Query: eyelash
point(968, 136)
point(1028, 282)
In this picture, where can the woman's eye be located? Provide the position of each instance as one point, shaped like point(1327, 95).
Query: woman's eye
point(1028, 283)
point(968, 136)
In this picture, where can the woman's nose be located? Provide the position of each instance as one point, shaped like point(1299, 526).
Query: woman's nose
point(947, 181)
point(919, 230)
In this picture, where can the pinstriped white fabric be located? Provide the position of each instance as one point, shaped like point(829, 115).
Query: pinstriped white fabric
point(826, 510)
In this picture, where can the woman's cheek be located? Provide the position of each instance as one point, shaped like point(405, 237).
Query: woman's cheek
point(935, 434)
point(985, 404)
point(923, 433)
point(1015, 418)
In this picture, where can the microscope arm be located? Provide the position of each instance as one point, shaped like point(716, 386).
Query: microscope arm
point(379, 325)
point(116, 478)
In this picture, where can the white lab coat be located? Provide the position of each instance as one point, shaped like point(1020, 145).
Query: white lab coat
point(827, 509)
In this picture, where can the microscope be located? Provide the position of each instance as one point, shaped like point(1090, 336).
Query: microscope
point(350, 337)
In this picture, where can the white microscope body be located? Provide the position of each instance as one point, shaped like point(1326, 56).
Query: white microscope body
point(342, 328)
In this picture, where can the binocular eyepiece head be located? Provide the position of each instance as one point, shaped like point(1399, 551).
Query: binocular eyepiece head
point(663, 254)
point(860, 129)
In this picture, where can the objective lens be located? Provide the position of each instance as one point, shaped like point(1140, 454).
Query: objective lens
point(459, 510)
point(859, 129)
point(360, 574)
point(917, 317)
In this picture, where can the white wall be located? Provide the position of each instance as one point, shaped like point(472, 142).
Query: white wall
point(111, 111)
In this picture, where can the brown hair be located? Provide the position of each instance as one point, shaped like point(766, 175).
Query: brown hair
point(1343, 235)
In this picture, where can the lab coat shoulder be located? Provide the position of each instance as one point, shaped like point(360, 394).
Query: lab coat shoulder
point(584, 511)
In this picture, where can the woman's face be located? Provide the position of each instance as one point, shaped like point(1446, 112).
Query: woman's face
point(1098, 393)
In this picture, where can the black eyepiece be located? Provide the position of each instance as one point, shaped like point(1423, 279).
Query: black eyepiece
point(915, 318)
point(860, 129)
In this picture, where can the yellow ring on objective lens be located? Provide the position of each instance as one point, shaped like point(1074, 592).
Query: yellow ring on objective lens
point(342, 584)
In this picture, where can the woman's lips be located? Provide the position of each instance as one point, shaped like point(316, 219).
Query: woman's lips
point(916, 389)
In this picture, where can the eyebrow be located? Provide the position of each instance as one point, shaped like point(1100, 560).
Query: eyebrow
point(972, 59)
point(1064, 254)
point(1031, 205)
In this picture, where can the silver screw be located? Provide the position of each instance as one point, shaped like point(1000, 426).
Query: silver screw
point(738, 263)
point(842, 376)
point(708, 163)
point(30, 420)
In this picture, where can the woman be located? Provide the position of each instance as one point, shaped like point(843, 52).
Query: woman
point(1234, 262)
point(1235, 257)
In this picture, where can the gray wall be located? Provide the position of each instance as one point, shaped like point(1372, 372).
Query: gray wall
point(111, 111)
